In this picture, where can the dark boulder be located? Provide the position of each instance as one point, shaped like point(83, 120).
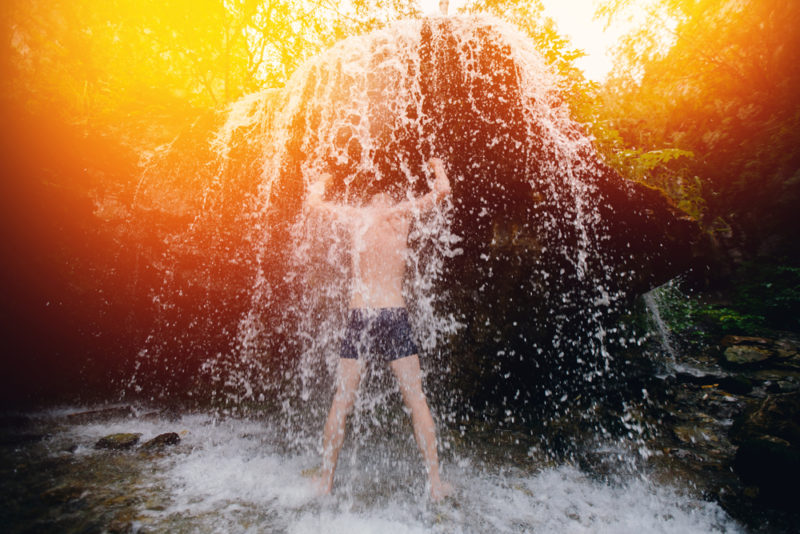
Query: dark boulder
point(552, 243)
point(777, 415)
point(161, 441)
point(771, 464)
point(118, 442)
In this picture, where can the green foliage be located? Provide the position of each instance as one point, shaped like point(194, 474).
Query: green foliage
point(89, 59)
point(763, 298)
point(717, 79)
point(645, 162)
point(141, 72)
point(728, 320)
point(682, 313)
point(770, 292)
point(694, 321)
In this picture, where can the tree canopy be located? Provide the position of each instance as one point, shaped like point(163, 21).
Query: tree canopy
point(703, 103)
point(114, 60)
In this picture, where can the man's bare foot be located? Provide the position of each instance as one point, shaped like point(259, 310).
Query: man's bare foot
point(322, 483)
point(441, 491)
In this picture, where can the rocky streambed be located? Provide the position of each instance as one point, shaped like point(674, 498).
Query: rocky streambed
point(73, 470)
point(715, 451)
point(728, 420)
point(241, 475)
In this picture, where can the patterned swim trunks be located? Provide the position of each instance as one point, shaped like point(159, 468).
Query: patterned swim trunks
point(378, 331)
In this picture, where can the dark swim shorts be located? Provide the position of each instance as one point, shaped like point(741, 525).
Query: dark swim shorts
point(381, 331)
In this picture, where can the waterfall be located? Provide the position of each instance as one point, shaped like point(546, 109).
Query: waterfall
point(664, 335)
point(513, 283)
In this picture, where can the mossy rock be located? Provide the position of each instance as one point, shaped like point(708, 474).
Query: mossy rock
point(777, 415)
point(161, 441)
point(119, 441)
point(746, 355)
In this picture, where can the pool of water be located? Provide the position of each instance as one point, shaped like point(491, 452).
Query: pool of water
point(243, 475)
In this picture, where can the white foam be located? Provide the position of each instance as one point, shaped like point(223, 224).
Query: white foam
point(234, 476)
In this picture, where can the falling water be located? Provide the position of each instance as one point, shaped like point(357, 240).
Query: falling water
point(513, 283)
point(371, 112)
point(664, 335)
point(669, 299)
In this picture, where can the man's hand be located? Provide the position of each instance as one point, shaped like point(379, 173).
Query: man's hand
point(317, 190)
point(441, 185)
point(437, 165)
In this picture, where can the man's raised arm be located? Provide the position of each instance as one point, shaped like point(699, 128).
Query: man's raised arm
point(314, 198)
point(440, 189)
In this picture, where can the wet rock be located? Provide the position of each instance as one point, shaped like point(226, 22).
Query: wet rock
point(64, 493)
point(171, 414)
point(746, 354)
point(793, 362)
point(733, 433)
point(126, 523)
point(121, 527)
point(14, 421)
point(771, 464)
point(695, 433)
point(699, 379)
point(156, 503)
point(684, 454)
point(738, 385)
point(607, 464)
point(744, 350)
point(730, 341)
point(104, 414)
point(787, 386)
point(786, 354)
point(120, 441)
point(777, 415)
point(775, 375)
point(786, 348)
point(161, 441)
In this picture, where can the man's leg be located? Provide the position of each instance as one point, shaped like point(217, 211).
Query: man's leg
point(409, 377)
point(348, 376)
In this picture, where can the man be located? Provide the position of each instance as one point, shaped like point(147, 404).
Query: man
point(378, 320)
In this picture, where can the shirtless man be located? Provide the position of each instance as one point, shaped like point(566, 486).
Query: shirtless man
point(378, 320)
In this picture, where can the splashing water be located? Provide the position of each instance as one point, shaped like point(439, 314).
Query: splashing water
point(236, 475)
point(664, 334)
point(668, 299)
point(512, 284)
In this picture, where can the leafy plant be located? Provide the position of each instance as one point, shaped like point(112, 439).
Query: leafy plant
point(715, 79)
point(762, 298)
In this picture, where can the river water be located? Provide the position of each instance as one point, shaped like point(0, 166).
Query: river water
point(243, 475)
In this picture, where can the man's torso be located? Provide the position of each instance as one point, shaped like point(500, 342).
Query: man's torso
point(379, 242)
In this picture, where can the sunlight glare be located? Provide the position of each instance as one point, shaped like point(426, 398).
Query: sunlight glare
point(575, 19)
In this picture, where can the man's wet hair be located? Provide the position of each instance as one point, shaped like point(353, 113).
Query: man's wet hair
point(351, 184)
point(361, 188)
